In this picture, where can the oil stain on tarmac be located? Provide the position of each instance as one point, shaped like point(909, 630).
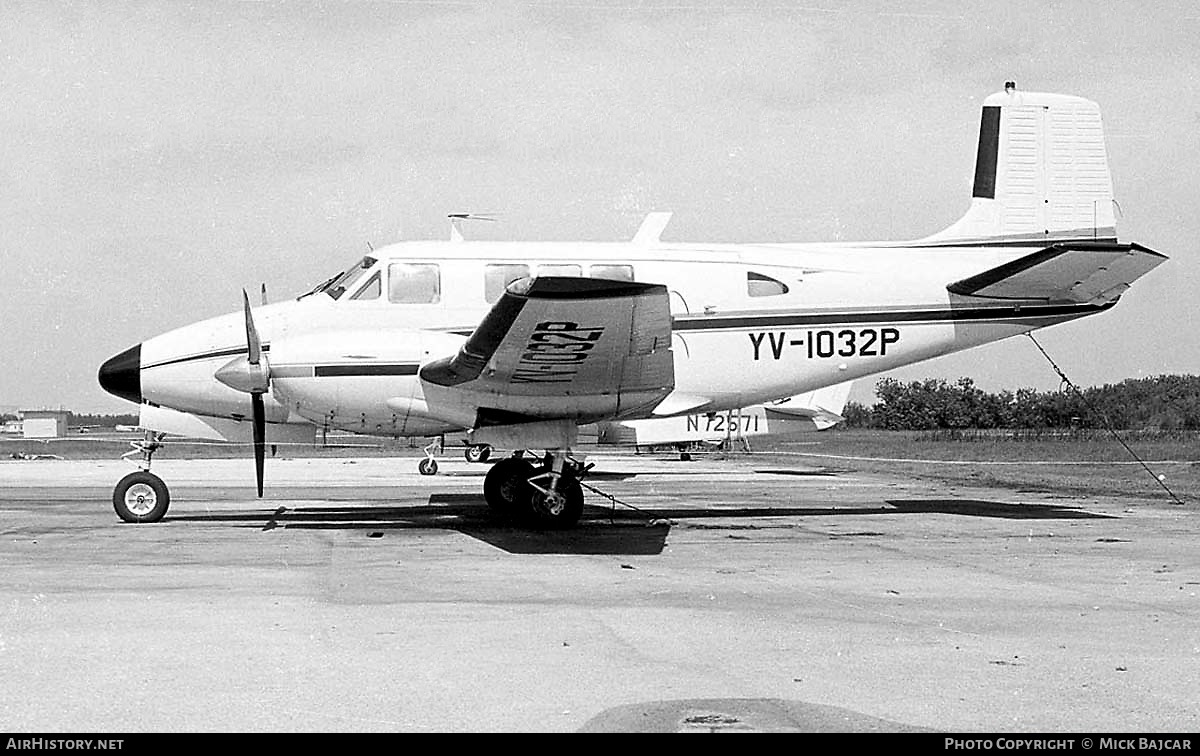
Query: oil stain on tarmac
point(738, 715)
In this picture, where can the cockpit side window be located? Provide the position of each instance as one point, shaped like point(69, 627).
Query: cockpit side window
point(370, 290)
point(759, 285)
point(414, 283)
point(497, 276)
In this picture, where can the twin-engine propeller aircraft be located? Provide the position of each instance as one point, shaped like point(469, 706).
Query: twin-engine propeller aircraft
point(519, 344)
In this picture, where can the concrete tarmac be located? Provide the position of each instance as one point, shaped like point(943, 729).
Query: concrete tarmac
point(753, 593)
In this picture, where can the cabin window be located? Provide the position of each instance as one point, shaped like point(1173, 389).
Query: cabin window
point(497, 277)
point(414, 283)
point(611, 272)
point(758, 285)
point(371, 289)
point(571, 271)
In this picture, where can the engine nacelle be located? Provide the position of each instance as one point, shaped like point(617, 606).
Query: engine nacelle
point(364, 381)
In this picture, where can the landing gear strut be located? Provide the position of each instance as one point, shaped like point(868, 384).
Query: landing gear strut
point(429, 465)
point(548, 496)
point(142, 496)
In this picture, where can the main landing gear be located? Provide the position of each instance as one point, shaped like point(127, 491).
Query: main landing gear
point(547, 496)
point(142, 496)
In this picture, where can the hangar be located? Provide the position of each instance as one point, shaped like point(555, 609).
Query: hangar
point(44, 423)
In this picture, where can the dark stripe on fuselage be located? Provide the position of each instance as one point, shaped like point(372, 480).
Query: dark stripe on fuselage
point(343, 371)
point(1012, 314)
point(1001, 243)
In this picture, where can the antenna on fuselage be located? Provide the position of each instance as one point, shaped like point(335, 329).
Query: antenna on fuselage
point(650, 232)
point(456, 220)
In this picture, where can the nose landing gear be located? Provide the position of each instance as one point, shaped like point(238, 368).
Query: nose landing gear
point(142, 496)
point(429, 465)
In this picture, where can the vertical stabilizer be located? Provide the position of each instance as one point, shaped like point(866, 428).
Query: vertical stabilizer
point(1041, 172)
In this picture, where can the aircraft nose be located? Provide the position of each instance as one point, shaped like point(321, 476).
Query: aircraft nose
point(122, 375)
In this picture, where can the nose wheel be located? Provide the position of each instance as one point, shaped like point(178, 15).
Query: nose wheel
point(429, 465)
point(141, 497)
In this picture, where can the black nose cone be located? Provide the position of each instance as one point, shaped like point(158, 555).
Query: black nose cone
point(122, 375)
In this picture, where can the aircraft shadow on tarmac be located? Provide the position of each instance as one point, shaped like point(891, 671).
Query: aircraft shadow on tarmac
point(597, 532)
point(601, 530)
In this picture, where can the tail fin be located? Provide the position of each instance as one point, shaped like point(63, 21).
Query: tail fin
point(1041, 173)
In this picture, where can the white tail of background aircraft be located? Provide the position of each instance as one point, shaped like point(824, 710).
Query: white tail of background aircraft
point(804, 413)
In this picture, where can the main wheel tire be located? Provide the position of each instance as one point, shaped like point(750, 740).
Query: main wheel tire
point(141, 497)
point(506, 486)
point(558, 510)
point(428, 466)
point(478, 453)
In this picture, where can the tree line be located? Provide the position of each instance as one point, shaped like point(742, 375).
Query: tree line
point(1165, 402)
point(75, 419)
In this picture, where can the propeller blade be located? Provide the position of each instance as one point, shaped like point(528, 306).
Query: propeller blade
point(260, 433)
point(252, 342)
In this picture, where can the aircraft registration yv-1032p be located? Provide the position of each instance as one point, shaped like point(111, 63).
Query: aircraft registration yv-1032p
point(519, 344)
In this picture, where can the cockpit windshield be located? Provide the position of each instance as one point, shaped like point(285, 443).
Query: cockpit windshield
point(339, 284)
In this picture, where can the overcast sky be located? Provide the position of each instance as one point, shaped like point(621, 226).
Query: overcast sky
point(157, 157)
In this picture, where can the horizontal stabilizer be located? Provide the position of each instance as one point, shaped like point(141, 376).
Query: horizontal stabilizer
point(1083, 272)
point(677, 403)
point(825, 404)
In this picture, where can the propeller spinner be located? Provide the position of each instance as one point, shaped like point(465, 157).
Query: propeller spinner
point(252, 375)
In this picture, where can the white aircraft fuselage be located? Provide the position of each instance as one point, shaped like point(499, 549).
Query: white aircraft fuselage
point(338, 362)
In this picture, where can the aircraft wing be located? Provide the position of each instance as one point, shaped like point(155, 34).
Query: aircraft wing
point(559, 349)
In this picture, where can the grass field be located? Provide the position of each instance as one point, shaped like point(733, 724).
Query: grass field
point(1089, 463)
point(1079, 464)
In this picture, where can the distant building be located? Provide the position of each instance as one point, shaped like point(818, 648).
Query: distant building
point(44, 423)
point(12, 426)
